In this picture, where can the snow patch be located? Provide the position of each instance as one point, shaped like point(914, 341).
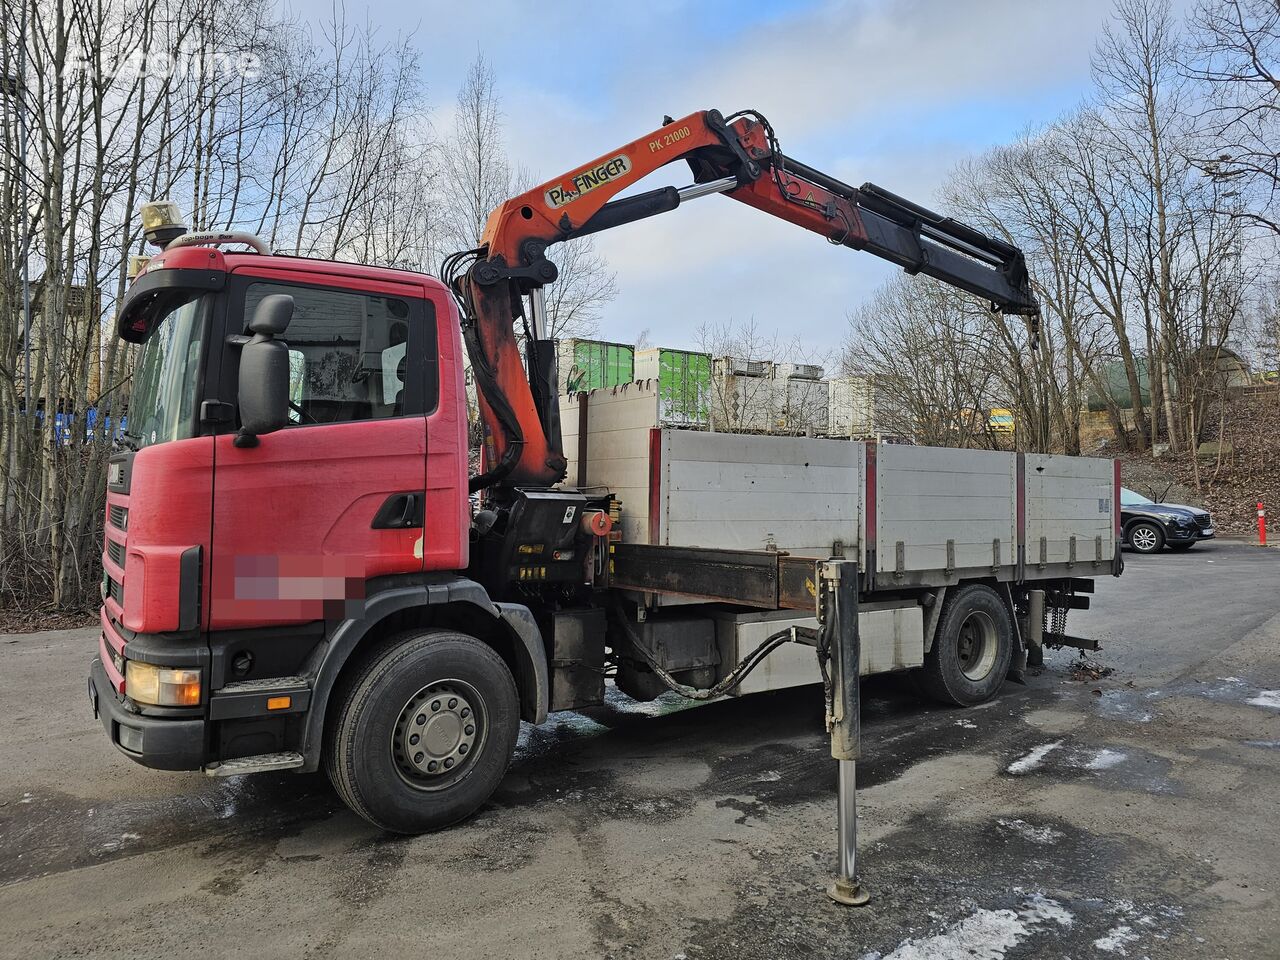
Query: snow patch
point(1115, 940)
point(1266, 698)
point(769, 776)
point(1040, 909)
point(1105, 759)
point(967, 724)
point(984, 934)
point(1045, 835)
point(1033, 759)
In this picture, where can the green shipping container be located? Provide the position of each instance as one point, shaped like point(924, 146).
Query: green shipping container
point(592, 364)
point(684, 384)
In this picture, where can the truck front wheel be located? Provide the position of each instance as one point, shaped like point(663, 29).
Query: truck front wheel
point(422, 734)
point(970, 655)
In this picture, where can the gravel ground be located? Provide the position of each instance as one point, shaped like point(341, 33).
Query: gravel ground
point(1128, 816)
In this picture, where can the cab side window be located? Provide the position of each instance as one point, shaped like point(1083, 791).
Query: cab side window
point(354, 356)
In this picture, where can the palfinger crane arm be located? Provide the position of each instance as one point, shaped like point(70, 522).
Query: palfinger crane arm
point(739, 157)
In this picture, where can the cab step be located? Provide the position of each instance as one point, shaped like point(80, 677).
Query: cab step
point(287, 760)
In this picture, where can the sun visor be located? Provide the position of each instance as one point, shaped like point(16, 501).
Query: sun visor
point(157, 293)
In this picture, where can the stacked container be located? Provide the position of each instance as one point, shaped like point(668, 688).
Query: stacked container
point(684, 384)
point(852, 407)
point(592, 364)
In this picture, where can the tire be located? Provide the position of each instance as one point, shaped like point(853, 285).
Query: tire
point(970, 656)
point(1146, 537)
point(1182, 547)
point(435, 682)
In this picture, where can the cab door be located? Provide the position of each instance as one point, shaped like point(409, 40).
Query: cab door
point(304, 518)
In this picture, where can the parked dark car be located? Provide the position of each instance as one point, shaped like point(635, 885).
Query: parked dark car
point(1148, 526)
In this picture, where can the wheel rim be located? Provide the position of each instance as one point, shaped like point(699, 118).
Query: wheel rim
point(1144, 538)
point(438, 733)
point(977, 645)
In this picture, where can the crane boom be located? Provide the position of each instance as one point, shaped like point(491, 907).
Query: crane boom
point(738, 156)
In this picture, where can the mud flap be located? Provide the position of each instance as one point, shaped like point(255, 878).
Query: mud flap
point(1018, 661)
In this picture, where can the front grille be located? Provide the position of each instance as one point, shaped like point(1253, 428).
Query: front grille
point(119, 516)
point(1205, 520)
point(115, 590)
point(116, 552)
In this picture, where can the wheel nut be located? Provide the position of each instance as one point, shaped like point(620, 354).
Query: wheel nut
point(462, 748)
point(431, 767)
point(469, 730)
point(435, 704)
point(418, 757)
point(448, 763)
point(413, 741)
point(453, 702)
point(420, 719)
point(465, 713)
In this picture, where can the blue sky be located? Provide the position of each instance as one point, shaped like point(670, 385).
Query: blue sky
point(892, 91)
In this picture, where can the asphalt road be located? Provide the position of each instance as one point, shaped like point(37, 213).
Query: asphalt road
point(1128, 816)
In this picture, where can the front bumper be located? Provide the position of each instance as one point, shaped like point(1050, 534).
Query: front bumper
point(1189, 534)
point(163, 743)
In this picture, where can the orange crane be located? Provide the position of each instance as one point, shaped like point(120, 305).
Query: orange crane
point(738, 156)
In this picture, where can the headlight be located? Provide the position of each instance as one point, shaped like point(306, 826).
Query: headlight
point(162, 686)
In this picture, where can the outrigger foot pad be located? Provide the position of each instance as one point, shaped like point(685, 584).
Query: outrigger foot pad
point(848, 893)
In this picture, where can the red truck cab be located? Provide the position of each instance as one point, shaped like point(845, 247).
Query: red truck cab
point(240, 577)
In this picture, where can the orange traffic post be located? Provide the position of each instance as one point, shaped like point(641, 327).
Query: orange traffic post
point(1262, 525)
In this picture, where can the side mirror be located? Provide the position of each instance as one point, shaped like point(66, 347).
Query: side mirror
point(263, 391)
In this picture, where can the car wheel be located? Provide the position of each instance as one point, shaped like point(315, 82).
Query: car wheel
point(970, 655)
point(423, 733)
point(1146, 537)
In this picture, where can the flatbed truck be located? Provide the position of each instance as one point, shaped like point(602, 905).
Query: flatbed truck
point(299, 572)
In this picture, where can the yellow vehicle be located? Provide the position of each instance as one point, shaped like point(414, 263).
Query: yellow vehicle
point(1000, 421)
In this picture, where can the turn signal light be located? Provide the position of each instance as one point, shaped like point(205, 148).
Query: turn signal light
point(162, 686)
point(279, 703)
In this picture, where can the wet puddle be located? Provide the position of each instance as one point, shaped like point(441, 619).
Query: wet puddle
point(44, 833)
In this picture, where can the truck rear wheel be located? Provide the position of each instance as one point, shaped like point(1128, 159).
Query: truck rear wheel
point(422, 735)
point(970, 655)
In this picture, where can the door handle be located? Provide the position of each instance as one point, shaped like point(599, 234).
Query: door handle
point(399, 512)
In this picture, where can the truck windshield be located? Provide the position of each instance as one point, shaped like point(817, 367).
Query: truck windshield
point(162, 405)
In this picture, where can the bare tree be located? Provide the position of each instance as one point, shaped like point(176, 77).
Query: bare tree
point(320, 143)
point(477, 176)
point(933, 359)
point(1236, 54)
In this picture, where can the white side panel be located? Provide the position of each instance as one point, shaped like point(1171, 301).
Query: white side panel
point(741, 492)
point(646, 364)
point(1069, 497)
point(892, 639)
point(926, 496)
point(618, 423)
